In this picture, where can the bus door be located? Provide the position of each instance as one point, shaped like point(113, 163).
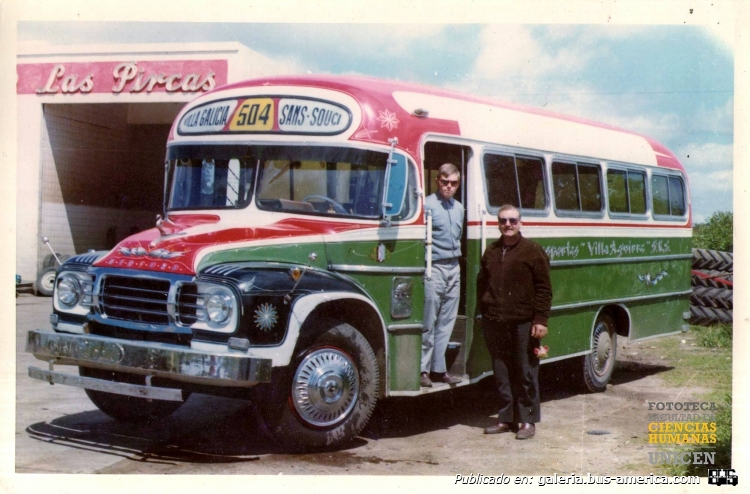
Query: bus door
point(437, 153)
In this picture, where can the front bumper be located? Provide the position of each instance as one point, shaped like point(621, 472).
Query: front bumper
point(174, 362)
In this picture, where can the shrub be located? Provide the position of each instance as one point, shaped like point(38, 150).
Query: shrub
point(716, 233)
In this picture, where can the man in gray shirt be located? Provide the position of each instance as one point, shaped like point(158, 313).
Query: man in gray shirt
point(442, 290)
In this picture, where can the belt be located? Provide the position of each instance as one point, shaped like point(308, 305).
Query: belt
point(452, 260)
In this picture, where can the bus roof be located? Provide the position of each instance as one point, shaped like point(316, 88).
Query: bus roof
point(386, 105)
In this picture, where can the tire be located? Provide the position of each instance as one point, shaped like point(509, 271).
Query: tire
point(50, 261)
point(706, 316)
point(599, 364)
point(713, 259)
point(128, 408)
point(326, 397)
point(45, 282)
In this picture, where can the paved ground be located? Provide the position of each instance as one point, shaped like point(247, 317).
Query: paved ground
point(58, 430)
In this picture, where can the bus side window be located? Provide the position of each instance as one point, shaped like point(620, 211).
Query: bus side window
point(565, 184)
point(676, 197)
point(626, 191)
point(637, 192)
point(514, 180)
point(500, 175)
point(618, 191)
point(531, 183)
point(590, 183)
point(577, 187)
point(668, 195)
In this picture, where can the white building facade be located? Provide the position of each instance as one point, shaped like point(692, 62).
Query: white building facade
point(92, 127)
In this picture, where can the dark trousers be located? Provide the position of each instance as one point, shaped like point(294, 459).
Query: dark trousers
point(516, 370)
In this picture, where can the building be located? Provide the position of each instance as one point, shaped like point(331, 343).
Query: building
point(92, 128)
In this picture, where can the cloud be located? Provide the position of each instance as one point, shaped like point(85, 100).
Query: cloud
point(522, 52)
point(707, 156)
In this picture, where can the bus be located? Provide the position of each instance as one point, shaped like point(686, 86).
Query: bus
point(287, 266)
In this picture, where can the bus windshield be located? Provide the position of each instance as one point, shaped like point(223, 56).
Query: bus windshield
point(317, 180)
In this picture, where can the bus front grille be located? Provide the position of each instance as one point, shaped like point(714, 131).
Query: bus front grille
point(141, 300)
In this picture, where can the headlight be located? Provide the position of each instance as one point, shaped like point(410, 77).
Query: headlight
point(216, 308)
point(68, 290)
point(219, 307)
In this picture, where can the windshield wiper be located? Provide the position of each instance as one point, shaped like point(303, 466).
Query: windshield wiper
point(276, 177)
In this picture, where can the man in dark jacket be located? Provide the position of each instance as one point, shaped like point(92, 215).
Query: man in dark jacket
point(515, 296)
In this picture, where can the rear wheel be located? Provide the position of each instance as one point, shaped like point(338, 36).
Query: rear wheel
point(599, 364)
point(128, 408)
point(327, 396)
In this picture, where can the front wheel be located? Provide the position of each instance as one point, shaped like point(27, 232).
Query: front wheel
point(127, 408)
point(326, 397)
point(600, 363)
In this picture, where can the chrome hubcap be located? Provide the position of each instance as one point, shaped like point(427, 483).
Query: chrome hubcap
point(325, 387)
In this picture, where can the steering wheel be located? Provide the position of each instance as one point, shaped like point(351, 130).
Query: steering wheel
point(336, 206)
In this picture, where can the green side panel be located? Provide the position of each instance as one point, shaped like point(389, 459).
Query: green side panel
point(405, 354)
point(588, 271)
point(653, 318)
point(379, 285)
point(570, 332)
point(292, 253)
point(404, 349)
point(615, 268)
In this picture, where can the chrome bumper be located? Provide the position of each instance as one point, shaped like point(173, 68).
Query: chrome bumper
point(149, 359)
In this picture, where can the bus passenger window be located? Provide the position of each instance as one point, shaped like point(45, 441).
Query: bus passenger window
point(617, 191)
point(660, 194)
point(637, 192)
point(591, 191)
point(626, 191)
point(531, 183)
point(500, 174)
point(514, 180)
point(668, 195)
point(565, 182)
point(676, 197)
point(577, 187)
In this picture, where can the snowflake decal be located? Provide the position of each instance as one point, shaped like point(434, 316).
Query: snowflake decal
point(388, 119)
point(265, 317)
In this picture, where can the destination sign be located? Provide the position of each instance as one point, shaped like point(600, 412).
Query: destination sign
point(207, 119)
point(308, 116)
point(266, 114)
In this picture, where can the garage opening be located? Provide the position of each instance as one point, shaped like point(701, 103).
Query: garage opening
point(102, 172)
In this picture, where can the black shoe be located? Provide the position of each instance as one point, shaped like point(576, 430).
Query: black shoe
point(526, 431)
point(424, 380)
point(500, 427)
point(444, 377)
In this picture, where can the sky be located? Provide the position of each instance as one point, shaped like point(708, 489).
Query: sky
point(674, 83)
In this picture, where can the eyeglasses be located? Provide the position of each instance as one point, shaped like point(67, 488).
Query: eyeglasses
point(452, 183)
point(512, 221)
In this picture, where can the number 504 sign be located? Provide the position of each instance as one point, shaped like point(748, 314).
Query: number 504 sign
point(254, 115)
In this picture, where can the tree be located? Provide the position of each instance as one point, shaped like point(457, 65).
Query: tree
point(716, 233)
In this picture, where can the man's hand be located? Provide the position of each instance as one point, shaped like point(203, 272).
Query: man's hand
point(539, 331)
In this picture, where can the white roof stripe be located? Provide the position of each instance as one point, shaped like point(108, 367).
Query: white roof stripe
point(483, 122)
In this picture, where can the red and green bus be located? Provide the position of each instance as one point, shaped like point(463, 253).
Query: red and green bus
point(287, 266)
